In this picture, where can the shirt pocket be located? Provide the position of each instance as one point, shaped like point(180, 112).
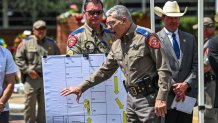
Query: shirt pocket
point(2, 65)
point(136, 58)
point(135, 54)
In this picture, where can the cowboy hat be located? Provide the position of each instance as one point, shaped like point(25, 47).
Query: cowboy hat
point(171, 9)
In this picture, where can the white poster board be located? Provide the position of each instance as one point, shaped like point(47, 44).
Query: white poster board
point(104, 103)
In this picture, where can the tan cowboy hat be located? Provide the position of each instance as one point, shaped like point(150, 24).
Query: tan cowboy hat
point(171, 9)
point(207, 21)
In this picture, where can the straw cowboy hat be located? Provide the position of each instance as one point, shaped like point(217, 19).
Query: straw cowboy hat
point(171, 9)
point(207, 22)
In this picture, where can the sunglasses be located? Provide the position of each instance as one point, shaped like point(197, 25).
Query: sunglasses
point(93, 12)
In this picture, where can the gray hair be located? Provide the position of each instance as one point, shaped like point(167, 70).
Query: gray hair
point(119, 11)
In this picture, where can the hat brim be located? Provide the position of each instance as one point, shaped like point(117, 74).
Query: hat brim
point(195, 26)
point(37, 27)
point(159, 12)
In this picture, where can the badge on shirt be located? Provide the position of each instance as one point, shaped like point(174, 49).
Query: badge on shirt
point(49, 47)
point(110, 42)
point(71, 41)
point(154, 42)
point(70, 52)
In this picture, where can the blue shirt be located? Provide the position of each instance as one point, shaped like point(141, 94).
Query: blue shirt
point(7, 66)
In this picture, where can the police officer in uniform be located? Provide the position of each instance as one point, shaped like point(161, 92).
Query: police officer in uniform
point(28, 59)
point(210, 114)
point(137, 51)
point(92, 37)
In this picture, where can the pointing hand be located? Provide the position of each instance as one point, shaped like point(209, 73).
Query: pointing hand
point(72, 90)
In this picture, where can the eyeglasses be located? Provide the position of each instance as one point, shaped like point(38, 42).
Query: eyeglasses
point(110, 23)
point(93, 12)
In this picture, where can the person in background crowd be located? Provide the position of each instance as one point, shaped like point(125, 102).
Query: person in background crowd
point(3, 43)
point(18, 39)
point(28, 59)
point(180, 48)
point(138, 53)
point(210, 114)
point(213, 60)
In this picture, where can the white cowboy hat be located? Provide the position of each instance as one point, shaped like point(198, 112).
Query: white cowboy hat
point(171, 9)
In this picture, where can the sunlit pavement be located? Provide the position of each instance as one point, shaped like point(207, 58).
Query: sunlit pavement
point(16, 103)
point(195, 115)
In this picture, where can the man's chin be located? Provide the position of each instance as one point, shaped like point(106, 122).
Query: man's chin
point(95, 23)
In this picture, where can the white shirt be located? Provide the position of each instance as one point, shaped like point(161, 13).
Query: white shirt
point(7, 66)
point(169, 34)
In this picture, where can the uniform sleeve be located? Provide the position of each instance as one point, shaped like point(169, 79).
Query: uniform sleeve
point(73, 45)
point(10, 64)
point(103, 73)
point(162, 66)
point(20, 59)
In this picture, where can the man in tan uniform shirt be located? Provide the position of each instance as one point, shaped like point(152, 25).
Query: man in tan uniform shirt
point(138, 53)
point(28, 58)
point(92, 37)
point(211, 112)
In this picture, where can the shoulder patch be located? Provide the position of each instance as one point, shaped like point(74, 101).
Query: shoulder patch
point(107, 31)
point(78, 31)
point(71, 41)
point(154, 42)
point(143, 32)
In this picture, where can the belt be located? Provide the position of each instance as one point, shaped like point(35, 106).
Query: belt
point(209, 77)
point(144, 87)
point(135, 91)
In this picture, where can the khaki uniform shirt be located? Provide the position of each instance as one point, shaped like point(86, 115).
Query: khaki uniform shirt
point(138, 53)
point(85, 41)
point(29, 53)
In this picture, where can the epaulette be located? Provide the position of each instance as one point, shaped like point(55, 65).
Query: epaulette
point(107, 31)
point(143, 32)
point(78, 31)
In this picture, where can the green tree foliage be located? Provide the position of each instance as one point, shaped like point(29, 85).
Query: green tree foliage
point(109, 3)
point(34, 7)
point(187, 22)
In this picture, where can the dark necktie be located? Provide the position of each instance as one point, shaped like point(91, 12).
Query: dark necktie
point(176, 46)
